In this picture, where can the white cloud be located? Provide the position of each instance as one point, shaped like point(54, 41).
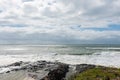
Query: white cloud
point(86, 13)
point(54, 18)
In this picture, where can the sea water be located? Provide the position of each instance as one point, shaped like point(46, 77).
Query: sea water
point(106, 55)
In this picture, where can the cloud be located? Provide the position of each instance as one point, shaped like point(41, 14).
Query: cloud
point(59, 21)
point(27, 0)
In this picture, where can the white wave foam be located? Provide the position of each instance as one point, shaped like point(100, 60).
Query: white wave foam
point(108, 53)
point(15, 49)
point(100, 58)
point(6, 69)
point(112, 48)
point(2, 70)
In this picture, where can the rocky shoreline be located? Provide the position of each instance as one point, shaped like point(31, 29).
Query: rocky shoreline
point(40, 70)
point(43, 70)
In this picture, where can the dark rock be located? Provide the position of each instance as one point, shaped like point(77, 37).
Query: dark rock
point(107, 78)
point(8, 72)
point(83, 67)
point(41, 70)
point(16, 64)
point(57, 74)
point(23, 68)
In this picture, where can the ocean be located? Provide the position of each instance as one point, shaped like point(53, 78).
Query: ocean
point(106, 55)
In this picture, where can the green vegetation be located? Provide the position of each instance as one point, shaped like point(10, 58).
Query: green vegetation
point(98, 73)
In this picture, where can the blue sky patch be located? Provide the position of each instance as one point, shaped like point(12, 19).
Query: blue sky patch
point(112, 27)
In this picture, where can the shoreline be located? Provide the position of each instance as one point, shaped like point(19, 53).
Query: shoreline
point(42, 70)
point(107, 59)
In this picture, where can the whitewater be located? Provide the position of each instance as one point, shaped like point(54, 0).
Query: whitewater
point(105, 55)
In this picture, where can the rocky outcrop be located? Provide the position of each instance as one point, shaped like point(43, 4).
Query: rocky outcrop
point(41, 70)
point(16, 64)
point(83, 67)
point(58, 73)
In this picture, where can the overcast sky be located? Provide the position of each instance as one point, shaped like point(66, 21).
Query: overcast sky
point(59, 21)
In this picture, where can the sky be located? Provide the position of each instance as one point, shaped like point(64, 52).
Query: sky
point(59, 21)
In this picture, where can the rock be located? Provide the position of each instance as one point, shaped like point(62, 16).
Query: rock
point(16, 64)
point(41, 70)
point(107, 78)
point(58, 73)
point(8, 72)
point(83, 67)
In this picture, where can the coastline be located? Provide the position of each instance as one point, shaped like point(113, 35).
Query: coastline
point(43, 70)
